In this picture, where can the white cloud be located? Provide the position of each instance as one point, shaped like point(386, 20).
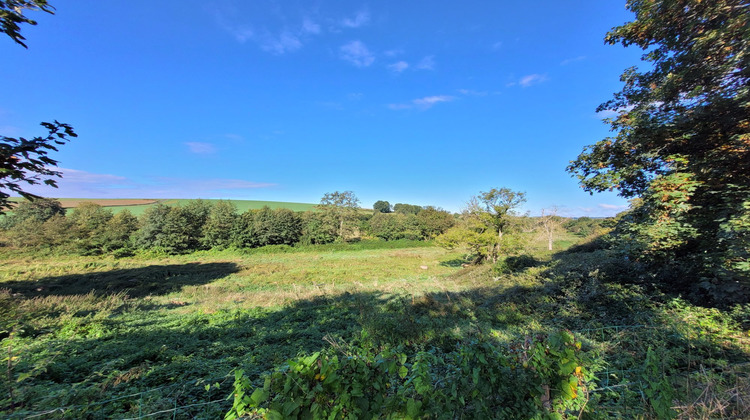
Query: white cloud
point(496, 46)
point(82, 184)
point(310, 27)
point(200, 148)
point(361, 18)
point(393, 53)
point(422, 103)
point(234, 137)
point(399, 66)
point(241, 33)
point(427, 63)
point(532, 79)
point(432, 100)
point(613, 206)
point(572, 60)
point(83, 177)
point(357, 53)
point(469, 92)
point(283, 43)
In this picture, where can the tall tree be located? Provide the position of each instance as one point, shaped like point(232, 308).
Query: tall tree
point(550, 224)
point(682, 139)
point(343, 206)
point(382, 206)
point(484, 223)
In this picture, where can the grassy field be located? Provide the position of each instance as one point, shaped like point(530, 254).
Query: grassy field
point(138, 206)
point(98, 337)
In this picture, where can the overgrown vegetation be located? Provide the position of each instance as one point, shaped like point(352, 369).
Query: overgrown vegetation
point(82, 331)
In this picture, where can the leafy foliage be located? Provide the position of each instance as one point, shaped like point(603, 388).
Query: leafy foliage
point(681, 143)
point(541, 377)
point(27, 161)
point(40, 209)
point(485, 221)
point(343, 207)
point(382, 206)
point(407, 208)
point(12, 15)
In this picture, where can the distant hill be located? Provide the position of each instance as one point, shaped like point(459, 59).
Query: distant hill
point(138, 205)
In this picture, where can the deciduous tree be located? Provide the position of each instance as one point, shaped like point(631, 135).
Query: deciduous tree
point(382, 206)
point(682, 139)
point(343, 207)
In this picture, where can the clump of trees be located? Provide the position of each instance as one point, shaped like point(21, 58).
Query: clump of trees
point(91, 229)
point(488, 226)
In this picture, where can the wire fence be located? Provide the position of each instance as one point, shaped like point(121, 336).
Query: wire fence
point(616, 383)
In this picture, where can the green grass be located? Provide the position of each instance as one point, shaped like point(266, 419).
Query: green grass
point(82, 331)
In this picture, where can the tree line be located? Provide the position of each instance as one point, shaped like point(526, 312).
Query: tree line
point(91, 229)
point(487, 228)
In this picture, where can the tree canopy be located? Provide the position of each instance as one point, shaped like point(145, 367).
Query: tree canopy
point(12, 15)
point(25, 161)
point(22, 160)
point(682, 137)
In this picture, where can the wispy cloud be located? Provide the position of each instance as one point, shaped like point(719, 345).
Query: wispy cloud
point(310, 27)
point(279, 44)
point(361, 18)
point(427, 63)
point(532, 79)
point(357, 53)
point(83, 177)
point(422, 103)
point(606, 206)
point(496, 46)
point(398, 66)
point(393, 53)
point(469, 92)
point(234, 137)
point(82, 184)
point(241, 33)
point(572, 60)
point(200, 148)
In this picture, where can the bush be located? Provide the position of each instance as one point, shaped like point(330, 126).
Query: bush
point(514, 264)
point(544, 376)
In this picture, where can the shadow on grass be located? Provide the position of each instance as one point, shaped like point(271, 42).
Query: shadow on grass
point(136, 282)
point(456, 262)
point(152, 349)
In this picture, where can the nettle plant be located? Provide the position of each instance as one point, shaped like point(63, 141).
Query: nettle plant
point(545, 377)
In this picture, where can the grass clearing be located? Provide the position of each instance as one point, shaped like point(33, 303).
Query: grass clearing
point(117, 338)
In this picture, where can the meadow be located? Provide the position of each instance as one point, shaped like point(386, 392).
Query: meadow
point(160, 336)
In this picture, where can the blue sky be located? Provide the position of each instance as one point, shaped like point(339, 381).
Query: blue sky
point(419, 102)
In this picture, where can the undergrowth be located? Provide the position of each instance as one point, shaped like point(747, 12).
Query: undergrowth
point(113, 338)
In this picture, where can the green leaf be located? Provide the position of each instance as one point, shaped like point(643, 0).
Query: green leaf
point(402, 372)
point(258, 396)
